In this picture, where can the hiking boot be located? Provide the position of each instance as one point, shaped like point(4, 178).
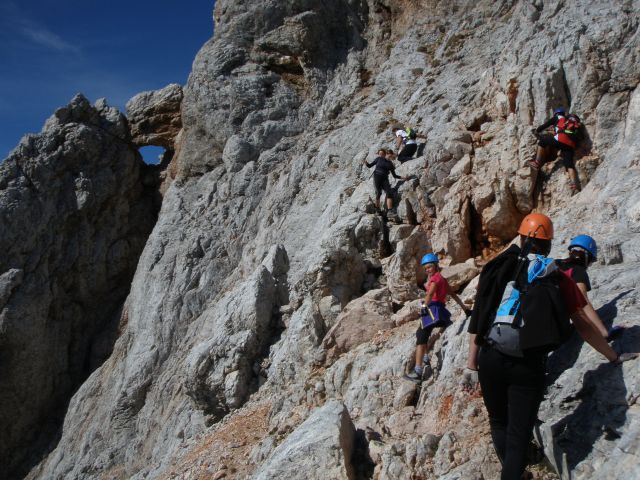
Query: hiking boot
point(393, 217)
point(414, 377)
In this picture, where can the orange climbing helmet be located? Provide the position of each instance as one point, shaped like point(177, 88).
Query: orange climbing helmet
point(536, 225)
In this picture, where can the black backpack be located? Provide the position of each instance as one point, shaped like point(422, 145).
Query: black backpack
point(530, 316)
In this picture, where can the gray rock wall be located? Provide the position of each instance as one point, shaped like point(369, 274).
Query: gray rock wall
point(74, 217)
point(268, 232)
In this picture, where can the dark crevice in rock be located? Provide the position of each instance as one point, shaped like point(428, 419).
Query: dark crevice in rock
point(477, 123)
point(396, 307)
point(361, 460)
point(565, 85)
point(385, 247)
point(293, 67)
point(479, 243)
point(372, 277)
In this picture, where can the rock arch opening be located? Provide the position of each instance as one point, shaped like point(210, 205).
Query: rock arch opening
point(153, 154)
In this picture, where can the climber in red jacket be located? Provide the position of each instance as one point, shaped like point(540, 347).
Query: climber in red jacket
point(567, 129)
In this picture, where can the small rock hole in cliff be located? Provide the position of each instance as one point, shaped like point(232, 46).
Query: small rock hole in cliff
point(396, 307)
point(152, 154)
point(156, 161)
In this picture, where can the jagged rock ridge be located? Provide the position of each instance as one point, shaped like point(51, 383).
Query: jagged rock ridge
point(77, 207)
point(266, 234)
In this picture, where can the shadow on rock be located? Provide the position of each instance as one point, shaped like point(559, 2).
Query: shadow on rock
point(566, 356)
point(601, 407)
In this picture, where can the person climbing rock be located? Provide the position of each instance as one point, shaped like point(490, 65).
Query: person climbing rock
point(583, 251)
point(434, 314)
point(567, 129)
point(384, 166)
point(521, 313)
point(406, 144)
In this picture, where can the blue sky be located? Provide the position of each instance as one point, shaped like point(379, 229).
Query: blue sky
point(51, 50)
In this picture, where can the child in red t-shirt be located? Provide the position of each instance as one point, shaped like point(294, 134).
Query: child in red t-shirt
point(439, 318)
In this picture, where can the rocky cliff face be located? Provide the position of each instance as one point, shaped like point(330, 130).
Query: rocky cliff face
point(267, 241)
point(77, 207)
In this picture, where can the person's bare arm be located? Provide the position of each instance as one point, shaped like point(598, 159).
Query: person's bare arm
point(431, 289)
point(590, 334)
point(457, 299)
point(591, 313)
point(472, 357)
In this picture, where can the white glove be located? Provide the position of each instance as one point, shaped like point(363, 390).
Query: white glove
point(625, 357)
point(469, 379)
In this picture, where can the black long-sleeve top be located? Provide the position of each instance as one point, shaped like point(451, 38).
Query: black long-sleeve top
point(553, 121)
point(383, 167)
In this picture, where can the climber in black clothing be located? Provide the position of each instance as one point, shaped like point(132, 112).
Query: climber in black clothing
point(384, 166)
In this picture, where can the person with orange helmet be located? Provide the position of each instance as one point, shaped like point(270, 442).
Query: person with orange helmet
point(521, 313)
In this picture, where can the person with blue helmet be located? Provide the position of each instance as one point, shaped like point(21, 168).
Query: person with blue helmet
point(567, 129)
point(583, 251)
point(434, 314)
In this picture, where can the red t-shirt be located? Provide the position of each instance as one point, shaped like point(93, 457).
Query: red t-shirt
point(571, 294)
point(442, 288)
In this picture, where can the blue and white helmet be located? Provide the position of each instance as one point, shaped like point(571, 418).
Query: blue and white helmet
point(429, 258)
point(585, 242)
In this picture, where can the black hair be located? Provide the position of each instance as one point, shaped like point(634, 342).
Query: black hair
point(538, 245)
point(580, 257)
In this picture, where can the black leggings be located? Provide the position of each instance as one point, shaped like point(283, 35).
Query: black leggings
point(407, 152)
point(381, 182)
point(566, 152)
point(512, 389)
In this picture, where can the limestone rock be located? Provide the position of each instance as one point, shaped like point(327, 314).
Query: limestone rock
point(398, 233)
point(358, 322)
point(410, 311)
point(154, 117)
point(453, 223)
point(74, 217)
point(460, 274)
point(403, 270)
point(280, 108)
point(320, 448)
point(237, 153)
point(219, 370)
